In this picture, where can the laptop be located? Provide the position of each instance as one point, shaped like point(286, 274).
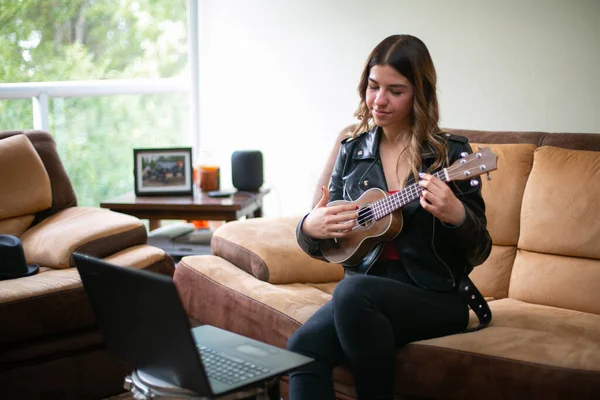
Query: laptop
point(143, 323)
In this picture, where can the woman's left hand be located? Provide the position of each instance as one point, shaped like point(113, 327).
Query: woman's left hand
point(439, 200)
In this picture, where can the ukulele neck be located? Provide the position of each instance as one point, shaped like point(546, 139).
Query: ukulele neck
point(391, 203)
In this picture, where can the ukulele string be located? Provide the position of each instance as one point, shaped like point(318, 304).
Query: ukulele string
point(388, 203)
point(413, 189)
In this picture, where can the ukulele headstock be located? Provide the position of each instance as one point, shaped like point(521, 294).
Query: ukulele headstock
point(469, 166)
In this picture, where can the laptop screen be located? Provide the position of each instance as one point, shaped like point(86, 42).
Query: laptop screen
point(143, 322)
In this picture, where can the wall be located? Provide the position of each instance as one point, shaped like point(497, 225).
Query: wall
point(281, 76)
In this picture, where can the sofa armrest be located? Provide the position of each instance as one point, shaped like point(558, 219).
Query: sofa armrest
point(267, 249)
point(90, 230)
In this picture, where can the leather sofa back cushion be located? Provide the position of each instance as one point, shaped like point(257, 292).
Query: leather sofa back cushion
point(558, 261)
point(15, 226)
point(561, 203)
point(24, 181)
point(63, 195)
point(504, 193)
point(267, 249)
point(558, 281)
point(493, 276)
point(503, 196)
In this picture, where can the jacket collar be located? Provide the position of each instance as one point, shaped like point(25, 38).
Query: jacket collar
point(368, 148)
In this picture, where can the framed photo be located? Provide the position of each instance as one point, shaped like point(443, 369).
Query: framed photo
point(163, 171)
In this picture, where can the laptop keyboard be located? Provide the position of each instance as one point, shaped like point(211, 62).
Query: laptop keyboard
point(228, 369)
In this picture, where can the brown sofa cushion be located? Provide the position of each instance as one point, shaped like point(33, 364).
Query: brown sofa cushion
point(214, 291)
point(24, 181)
point(298, 301)
point(94, 231)
point(560, 281)
point(504, 193)
point(15, 226)
point(63, 195)
point(493, 276)
point(529, 351)
point(561, 200)
point(267, 249)
point(53, 301)
point(558, 262)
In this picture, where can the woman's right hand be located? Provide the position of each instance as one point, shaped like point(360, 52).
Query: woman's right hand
point(329, 222)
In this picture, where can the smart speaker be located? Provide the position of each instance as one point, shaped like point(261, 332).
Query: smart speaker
point(247, 170)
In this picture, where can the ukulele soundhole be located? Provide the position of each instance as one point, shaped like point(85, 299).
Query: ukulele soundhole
point(365, 218)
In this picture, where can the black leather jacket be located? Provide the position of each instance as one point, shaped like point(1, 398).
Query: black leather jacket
point(434, 254)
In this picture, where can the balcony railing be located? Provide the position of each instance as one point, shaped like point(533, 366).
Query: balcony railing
point(96, 124)
point(40, 92)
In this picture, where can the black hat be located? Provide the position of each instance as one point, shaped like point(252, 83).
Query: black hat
point(12, 259)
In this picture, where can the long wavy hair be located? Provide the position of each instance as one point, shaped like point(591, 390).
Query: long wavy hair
point(409, 56)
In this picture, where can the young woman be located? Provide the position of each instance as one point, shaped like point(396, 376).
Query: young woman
point(405, 289)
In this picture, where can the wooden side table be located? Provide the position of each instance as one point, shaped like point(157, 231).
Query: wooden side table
point(196, 207)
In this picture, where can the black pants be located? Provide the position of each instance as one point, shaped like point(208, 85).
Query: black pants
point(363, 324)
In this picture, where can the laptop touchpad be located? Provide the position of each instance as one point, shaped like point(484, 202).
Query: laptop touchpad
point(251, 350)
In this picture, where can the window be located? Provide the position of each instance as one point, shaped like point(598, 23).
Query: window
point(75, 40)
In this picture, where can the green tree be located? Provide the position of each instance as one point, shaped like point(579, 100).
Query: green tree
point(97, 39)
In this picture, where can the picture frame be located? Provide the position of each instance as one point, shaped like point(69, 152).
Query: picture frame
point(163, 171)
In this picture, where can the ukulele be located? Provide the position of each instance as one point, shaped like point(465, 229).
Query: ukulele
point(380, 215)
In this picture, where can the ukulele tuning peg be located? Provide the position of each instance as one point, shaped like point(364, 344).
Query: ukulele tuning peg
point(464, 154)
point(489, 178)
point(474, 182)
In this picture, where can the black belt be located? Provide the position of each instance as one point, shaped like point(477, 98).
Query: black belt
point(475, 300)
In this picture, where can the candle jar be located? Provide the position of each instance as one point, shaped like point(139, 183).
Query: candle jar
point(208, 175)
point(209, 178)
